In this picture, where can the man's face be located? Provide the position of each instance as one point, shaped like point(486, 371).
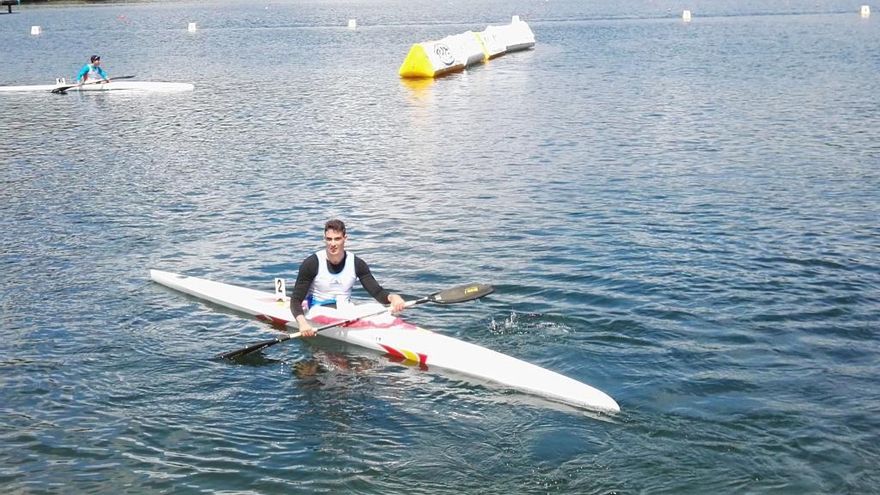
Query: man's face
point(335, 241)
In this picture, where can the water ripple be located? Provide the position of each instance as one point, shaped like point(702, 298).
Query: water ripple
point(682, 215)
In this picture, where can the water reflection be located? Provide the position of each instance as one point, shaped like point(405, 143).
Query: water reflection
point(322, 367)
point(419, 90)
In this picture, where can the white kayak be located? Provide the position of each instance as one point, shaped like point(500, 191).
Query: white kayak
point(131, 86)
point(392, 336)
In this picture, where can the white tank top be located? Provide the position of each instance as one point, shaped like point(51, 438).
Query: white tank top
point(330, 288)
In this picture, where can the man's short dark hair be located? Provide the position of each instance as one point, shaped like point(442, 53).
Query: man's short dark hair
point(95, 57)
point(336, 225)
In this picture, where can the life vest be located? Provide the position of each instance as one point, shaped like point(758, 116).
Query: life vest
point(90, 72)
point(94, 73)
point(332, 288)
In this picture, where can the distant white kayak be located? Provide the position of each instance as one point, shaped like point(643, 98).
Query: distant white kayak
point(405, 341)
point(133, 86)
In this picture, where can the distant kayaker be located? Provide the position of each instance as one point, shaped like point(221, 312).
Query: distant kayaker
point(326, 277)
point(92, 70)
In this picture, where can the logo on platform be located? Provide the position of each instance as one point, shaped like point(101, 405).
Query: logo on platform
point(444, 53)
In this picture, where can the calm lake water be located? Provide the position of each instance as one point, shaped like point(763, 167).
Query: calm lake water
point(684, 215)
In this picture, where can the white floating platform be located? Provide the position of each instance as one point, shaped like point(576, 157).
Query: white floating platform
point(455, 53)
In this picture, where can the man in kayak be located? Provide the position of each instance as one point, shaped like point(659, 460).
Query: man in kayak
point(92, 70)
point(326, 278)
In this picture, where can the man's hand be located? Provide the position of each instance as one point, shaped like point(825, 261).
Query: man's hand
point(305, 329)
point(397, 303)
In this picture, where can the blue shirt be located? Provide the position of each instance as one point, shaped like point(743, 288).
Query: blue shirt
point(90, 69)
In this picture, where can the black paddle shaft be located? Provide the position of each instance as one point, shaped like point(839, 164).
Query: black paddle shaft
point(62, 90)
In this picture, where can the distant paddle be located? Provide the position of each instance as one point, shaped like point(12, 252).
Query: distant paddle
point(454, 295)
point(62, 90)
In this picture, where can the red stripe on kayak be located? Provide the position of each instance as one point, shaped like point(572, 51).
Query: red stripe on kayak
point(364, 323)
point(273, 320)
point(405, 355)
point(394, 352)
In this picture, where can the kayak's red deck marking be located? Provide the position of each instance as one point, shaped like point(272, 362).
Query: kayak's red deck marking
point(405, 355)
point(364, 323)
point(273, 320)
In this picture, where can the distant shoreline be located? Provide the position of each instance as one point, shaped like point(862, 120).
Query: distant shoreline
point(46, 2)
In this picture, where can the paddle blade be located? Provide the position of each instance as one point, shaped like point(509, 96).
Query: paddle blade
point(248, 350)
point(461, 293)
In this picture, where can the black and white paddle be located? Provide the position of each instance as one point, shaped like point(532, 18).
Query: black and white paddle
point(62, 90)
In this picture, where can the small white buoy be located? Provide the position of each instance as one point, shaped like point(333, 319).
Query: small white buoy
point(352, 24)
point(36, 30)
point(686, 16)
point(514, 19)
point(191, 27)
point(865, 11)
